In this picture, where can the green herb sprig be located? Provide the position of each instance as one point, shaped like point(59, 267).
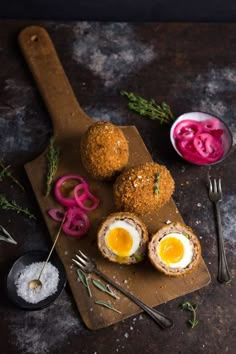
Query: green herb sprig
point(150, 109)
point(107, 305)
point(104, 288)
point(83, 277)
point(187, 306)
point(12, 205)
point(5, 172)
point(53, 158)
point(156, 187)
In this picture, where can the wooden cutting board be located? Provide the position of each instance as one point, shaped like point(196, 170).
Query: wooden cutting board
point(70, 122)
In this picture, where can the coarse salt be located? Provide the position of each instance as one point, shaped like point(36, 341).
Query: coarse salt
point(49, 279)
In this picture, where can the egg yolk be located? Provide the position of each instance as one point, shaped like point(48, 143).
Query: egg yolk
point(171, 250)
point(120, 241)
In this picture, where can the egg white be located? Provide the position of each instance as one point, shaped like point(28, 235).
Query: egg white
point(132, 232)
point(188, 251)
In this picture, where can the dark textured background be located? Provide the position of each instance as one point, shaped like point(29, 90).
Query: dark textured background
point(120, 10)
point(192, 67)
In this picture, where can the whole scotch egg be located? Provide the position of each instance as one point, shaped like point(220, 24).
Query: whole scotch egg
point(174, 250)
point(123, 238)
point(143, 188)
point(104, 150)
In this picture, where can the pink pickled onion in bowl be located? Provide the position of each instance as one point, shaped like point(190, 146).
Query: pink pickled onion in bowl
point(208, 146)
point(200, 138)
point(187, 129)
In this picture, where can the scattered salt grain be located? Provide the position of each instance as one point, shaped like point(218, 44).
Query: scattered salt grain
point(199, 205)
point(49, 279)
point(126, 335)
point(168, 222)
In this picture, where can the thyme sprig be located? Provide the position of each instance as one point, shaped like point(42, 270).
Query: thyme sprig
point(187, 306)
point(107, 305)
point(161, 112)
point(5, 172)
point(53, 157)
point(12, 205)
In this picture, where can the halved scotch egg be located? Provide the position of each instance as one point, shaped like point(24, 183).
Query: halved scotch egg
point(123, 238)
point(174, 250)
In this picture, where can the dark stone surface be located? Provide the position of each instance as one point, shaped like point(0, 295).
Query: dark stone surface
point(192, 67)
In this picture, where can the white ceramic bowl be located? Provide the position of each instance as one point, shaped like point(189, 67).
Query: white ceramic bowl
point(227, 139)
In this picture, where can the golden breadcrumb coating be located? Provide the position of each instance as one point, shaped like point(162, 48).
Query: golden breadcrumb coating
point(104, 150)
point(143, 188)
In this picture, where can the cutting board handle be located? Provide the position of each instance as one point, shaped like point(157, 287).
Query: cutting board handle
point(52, 82)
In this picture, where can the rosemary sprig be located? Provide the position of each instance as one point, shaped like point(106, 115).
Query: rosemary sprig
point(6, 173)
point(53, 157)
point(104, 288)
point(187, 306)
point(150, 109)
point(5, 236)
point(107, 305)
point(12, 205)
point(83, 277)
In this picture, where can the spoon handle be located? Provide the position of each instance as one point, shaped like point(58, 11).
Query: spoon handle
point(53, 246)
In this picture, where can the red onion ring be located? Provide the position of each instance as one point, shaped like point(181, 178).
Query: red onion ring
point(77, 222)
point(67, 201)
point(86, 196)
point(56, 214)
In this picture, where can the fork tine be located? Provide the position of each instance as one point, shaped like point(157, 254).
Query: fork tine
point(219, 186)
point(210, 186)
point(215, 186)
point(79, 264)
point(83, 261)
point(83, 255)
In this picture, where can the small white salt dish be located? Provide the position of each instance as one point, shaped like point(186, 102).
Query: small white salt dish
point(227, 138)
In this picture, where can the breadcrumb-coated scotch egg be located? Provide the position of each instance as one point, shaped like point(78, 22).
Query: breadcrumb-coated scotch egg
point(123, 238)
point(143, 188)
point(104, 150)
point(174, 250)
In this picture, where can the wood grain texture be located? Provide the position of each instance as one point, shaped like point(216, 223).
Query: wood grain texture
point(69, 123)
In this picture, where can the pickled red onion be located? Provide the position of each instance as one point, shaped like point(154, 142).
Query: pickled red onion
point(77, 222)
point(200, 142)
point(186, 129)
point(85, 197)
point(67, 201)
point(56, 214)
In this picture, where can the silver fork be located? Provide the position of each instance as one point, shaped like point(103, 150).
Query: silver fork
point(89, 266)
point(215, 195)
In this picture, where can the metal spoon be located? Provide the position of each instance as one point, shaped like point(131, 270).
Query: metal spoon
point(36, 283)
